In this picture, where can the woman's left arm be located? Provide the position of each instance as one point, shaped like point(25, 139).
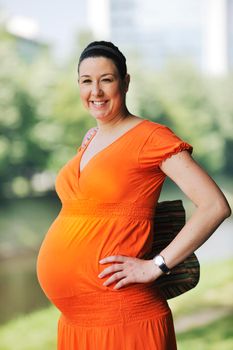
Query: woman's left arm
point(212, 207)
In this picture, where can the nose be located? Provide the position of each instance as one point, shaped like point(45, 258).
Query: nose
point(96, 89)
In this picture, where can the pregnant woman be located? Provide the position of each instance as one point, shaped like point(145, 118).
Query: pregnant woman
point(90, 264)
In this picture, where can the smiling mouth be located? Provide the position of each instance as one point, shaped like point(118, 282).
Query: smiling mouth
point(98, 103)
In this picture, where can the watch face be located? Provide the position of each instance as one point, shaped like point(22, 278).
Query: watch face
point(159, 260)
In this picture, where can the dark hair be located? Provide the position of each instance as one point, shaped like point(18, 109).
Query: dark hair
point(108, 50)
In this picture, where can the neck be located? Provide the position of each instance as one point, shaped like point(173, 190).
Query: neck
point(111, 124)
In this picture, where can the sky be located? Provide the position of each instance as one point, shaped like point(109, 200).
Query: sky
point(58, 20)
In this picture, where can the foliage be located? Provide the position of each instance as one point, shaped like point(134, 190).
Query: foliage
point(197, 107)
point(70, 117)
point(20, 154)
point(42, 120)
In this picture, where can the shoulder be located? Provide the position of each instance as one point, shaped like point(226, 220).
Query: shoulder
point(154, 126)
point(156, 131)
point(161, 143)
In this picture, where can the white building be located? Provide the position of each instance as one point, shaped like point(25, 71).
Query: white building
point(25, 32)
point(199, 30)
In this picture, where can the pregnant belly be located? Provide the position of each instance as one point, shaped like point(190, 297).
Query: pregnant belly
point(68, 259)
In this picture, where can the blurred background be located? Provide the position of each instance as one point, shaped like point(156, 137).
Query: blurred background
point(180, 57)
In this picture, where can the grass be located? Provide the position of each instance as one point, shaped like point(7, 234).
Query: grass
point(213, 293)
point(215, 290)
point(36, 331)
point(217, 335)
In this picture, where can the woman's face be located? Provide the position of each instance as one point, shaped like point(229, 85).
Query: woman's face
point(101, 89)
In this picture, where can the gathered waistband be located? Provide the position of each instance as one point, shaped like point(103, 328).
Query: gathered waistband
point(96, 208)
point(112, 307)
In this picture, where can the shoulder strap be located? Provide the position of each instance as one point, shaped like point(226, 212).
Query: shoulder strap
point(88, 135)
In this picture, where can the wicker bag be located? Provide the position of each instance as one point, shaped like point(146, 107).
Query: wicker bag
point(169, 220)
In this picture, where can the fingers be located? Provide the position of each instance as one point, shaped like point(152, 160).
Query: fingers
point(122, 283)
point(121, 270)
point(113, 278)
point(110, 269)
point(117, 258)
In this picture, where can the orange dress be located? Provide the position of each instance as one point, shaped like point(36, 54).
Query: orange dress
point(107, 209)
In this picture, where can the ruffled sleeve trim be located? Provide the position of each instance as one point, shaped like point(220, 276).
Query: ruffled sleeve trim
point(161, 144)
point(183, 146)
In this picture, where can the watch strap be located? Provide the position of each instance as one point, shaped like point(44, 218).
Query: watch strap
point(162, 265)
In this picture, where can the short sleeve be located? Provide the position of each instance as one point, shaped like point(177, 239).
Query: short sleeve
point(161, 144)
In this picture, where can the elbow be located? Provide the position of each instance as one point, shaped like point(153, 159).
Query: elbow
point(218, 208)
point(227, 211)
point(224, 210)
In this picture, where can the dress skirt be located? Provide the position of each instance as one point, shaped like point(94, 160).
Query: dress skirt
point(134, 319)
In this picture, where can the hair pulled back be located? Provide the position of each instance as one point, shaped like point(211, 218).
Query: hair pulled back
point(105, 49)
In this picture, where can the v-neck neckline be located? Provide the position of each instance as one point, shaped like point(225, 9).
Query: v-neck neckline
point(105, 148)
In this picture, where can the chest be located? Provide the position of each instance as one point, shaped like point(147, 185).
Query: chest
point(96, 146)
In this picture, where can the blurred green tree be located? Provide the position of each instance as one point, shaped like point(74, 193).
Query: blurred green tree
point(20, 155)
point(41, 117)
point(42, 120)
point(197, 107)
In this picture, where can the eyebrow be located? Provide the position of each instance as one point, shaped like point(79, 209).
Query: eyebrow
point(86, 75)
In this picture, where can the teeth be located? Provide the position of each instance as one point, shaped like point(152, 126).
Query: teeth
point(98, 103)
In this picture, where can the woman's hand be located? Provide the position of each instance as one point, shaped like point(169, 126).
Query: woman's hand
point(127, 270)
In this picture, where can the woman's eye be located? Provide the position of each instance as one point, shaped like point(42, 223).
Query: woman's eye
point(86, 81)
point(108, 80)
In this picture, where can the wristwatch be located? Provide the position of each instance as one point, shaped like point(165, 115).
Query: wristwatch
point(159, 261)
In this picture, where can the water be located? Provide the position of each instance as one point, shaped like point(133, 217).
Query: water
point(20, 292)
point(23, 225)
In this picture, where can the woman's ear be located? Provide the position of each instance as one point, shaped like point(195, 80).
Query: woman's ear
point(126, 82)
